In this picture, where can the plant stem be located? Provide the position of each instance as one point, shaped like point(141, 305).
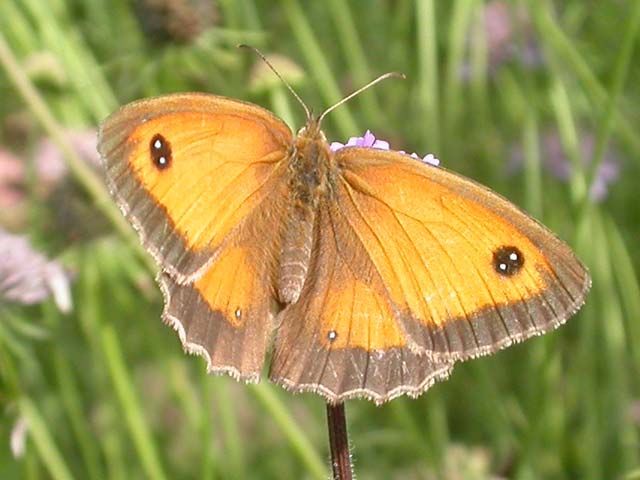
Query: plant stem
point(339, 442)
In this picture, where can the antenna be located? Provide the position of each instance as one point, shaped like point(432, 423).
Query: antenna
point(359, 91)
point(293, 92)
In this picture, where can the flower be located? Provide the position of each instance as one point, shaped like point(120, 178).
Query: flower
point(556, 161)
point(368, 140)
point(28, 277)
point(50, 174)
point(508, 32)
point(51, 167)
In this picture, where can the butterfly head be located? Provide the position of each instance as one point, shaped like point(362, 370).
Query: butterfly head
point(311, 130)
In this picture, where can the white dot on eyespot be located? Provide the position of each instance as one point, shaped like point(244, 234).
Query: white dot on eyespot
point(513, 256)
point(157, 144)
point(238, 313)
point(502, 266)
point(332, 335)
point(162, 161)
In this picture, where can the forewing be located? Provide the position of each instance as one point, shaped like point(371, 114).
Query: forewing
point(218, 157)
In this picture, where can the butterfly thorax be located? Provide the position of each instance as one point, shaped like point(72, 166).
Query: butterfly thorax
point(310, 164)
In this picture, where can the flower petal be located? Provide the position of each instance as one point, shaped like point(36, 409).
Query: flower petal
point(368, 140)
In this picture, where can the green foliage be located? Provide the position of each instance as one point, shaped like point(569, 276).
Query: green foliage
point(106, 390)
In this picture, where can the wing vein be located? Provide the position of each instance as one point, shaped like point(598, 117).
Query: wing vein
point(412, 277)
point(323, 309)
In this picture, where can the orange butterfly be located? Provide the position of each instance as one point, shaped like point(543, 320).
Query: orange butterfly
point(372, 272)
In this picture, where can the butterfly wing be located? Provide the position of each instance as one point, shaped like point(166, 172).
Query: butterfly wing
point(466, 271)
point(188, 169)
point(227, 315)
point(202, 179)
point(341, 338)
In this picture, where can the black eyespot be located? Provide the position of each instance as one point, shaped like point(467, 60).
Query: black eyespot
point(332, 335)
point(507, 260)
point(160, 150)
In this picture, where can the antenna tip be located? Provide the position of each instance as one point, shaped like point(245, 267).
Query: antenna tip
point(396, 75)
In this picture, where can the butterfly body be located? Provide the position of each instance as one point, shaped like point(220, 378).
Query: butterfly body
point(371, 272)
point(309, 166)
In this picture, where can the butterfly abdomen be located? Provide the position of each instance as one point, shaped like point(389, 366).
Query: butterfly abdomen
point(308, 170)
point(296, 254)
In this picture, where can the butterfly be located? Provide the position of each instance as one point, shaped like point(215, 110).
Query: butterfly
point(363, 272)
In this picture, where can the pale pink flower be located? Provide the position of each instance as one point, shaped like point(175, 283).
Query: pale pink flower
point(28, 277)
point(51, 167)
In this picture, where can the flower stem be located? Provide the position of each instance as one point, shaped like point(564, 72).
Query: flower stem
point(339, 442)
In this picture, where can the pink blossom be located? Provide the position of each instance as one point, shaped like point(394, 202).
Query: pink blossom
point(28, 277)
point(49, 159)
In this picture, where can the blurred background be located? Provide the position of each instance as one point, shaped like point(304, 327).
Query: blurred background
point(538, 99)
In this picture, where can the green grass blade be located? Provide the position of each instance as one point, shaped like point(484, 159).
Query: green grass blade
point(43, 440)
point(319, 67)
point(558, 42)
point(428, 87)
point(297, 439)
point(355, 59)
point(620, 71)
point(130, 404)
